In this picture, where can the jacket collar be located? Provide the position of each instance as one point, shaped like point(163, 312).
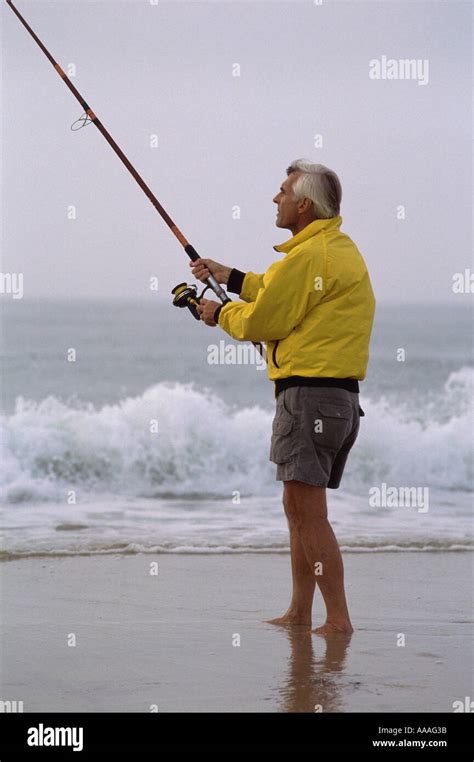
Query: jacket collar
point(308, 232)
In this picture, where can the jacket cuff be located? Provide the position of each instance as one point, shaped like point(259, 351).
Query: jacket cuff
point(235, 282)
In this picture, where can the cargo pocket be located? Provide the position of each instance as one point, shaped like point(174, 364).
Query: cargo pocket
point(332, 424)
point(284, 438)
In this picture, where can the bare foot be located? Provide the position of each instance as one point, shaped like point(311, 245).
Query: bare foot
point(330, 628)
point(290, 619)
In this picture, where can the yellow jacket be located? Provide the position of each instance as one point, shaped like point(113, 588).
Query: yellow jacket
point(314, 308)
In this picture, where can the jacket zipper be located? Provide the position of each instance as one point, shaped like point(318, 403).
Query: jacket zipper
point(274, 354)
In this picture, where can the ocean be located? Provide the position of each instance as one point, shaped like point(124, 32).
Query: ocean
point(140, 443)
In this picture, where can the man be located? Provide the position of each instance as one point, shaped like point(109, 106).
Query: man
point(314, 309)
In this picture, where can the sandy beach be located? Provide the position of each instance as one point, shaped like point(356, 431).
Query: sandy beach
point(192, 637)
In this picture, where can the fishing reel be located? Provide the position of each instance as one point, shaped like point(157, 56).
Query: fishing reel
point(186, 296)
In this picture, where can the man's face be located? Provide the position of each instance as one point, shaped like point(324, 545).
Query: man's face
point(287, 215)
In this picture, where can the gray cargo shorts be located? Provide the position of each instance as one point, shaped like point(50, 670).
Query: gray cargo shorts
point(312, 433)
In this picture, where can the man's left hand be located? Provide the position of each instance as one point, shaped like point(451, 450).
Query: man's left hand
point(206, 310)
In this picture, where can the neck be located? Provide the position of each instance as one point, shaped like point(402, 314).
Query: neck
point(301, 224)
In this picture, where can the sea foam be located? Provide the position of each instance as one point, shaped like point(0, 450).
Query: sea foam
point(177, 440)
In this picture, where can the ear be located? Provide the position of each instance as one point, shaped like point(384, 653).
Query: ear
point(305, 205)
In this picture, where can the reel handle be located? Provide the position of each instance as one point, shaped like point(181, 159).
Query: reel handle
point(186, 296)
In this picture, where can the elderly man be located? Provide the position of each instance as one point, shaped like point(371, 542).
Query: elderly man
point(314, 308)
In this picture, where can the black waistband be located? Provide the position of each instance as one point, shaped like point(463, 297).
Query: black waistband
point(351, 384)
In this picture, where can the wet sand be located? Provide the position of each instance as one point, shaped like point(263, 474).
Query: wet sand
point(193, 638)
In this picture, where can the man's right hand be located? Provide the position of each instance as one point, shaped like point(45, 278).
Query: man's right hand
point(202, 268)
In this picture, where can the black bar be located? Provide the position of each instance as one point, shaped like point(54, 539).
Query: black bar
point(150, 732)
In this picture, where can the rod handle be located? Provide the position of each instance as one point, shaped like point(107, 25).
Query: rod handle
point(211, 281)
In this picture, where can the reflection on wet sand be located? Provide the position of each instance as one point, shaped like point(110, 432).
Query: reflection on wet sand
point(311, 683)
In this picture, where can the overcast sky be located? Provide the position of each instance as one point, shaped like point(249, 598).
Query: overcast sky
point(167, 69)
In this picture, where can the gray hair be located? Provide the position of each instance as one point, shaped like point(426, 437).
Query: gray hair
point(319, 184)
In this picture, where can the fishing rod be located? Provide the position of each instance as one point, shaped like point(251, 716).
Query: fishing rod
point(184, 295)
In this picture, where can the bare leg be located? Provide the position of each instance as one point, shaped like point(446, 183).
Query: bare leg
point(304, 583)
point(306, 510)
